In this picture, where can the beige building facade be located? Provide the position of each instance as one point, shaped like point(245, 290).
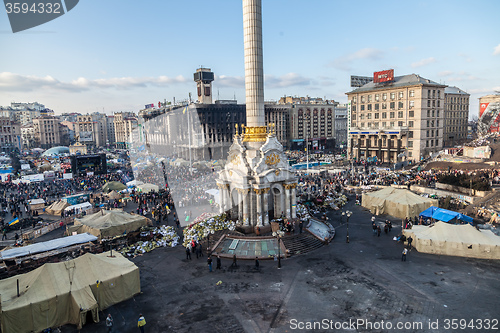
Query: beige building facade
point(456, 116)
point(125, 123)
point(47, 132)
point(397, 120)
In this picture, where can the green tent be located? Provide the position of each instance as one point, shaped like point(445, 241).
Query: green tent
point(113, 186)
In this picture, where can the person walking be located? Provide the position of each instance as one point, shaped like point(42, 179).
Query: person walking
point(378, 231)
point(141, 322)
point(109, 322)
point(409, 242)
point(234, 261)
point(257, 265)
point(209, 262)
point(219, 264)
point(188, 253)
point(405, 252)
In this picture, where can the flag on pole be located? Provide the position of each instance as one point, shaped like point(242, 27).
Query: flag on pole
point(14, 221)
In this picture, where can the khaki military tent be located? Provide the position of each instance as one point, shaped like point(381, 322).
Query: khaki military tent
point(462, 240)
point(57, 207)
point(66, 292)
point(109, 223)
point(113, 186)
point(114, 195)
point(396, 202)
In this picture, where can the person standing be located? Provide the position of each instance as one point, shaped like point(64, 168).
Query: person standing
point(405, 252)
point(219, 264)
point(209, 262)
point(409, 242)
point(141, 322)
point(109, 322)
point(188, 253)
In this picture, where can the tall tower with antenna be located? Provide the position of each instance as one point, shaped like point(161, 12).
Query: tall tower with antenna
point(203, 78)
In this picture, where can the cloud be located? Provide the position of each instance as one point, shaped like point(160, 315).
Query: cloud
point(230, 81)
point(344, 62)
point(423, 62)
point(484, 90)
point(496, 50)
point(445, 73)
point(287, 80)
point(17, 82)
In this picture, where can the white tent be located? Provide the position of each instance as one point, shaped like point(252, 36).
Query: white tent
point(134, 182)
point(215, 193)
point(79, 207)
point(146, 188)
point(396, 202)
point(462, 240)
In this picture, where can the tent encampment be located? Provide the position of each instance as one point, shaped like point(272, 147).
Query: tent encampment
point(445, 215)
point(109, 223)
point(113, 186)
point(37, 204)
point(62, 293)
point(114, 195)
point(462, 240)
point(57, 207)
point(396, 202)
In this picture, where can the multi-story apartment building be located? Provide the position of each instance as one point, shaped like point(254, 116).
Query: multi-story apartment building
point(125, 123)
point(341, 126)
point(110, 127)
point(394, 119)
point(312, 125)
point(279, 116)
point(71, 129)
point(10, 134)
point(456, 116)
point(28, 138)
point(47, 131)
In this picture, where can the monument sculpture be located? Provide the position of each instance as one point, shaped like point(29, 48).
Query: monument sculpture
point(257, 183)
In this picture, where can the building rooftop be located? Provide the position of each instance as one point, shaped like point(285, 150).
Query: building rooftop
point(399, 81)
point(454, 90)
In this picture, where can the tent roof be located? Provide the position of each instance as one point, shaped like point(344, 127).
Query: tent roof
point(105, 219)
point(57, 243)
point(110, 186)
point(398, 195)
point(445, 215)
point(56, 206)
point(458, 233)
point(73, 276)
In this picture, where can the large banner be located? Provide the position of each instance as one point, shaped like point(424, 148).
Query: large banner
point(86, 136)
point(489, 117)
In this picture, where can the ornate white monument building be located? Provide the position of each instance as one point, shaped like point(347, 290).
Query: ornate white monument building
point(257, 184)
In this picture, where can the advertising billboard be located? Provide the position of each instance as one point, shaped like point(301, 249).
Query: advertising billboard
point(383, 76)
point(86, 136)
point(489, 117)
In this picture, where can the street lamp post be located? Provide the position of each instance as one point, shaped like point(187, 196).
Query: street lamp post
point(348, 214)
point(278, 234)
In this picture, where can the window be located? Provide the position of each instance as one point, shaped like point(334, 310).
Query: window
point(354, 108)
point(362, 107)
point(391, 114)
point(428, 113)
point(437, 123)
point(392, 105)
point(437, 143)
point(438, 103)
point(410, 144)
point(432, 133)
point(400, 105)
point(432, 143)
point(433, 113)
point(369, 116)
point(410, 123)
point(391, 124)
point(361, 116)
point(377, 97)
point(353, 117)
point(411, 114)
point(400, 123)
point(410, 134)
point(354, 98)
point(384, 124)
point(437, 113)
point(369, 98)
point(393, 96)
point(401, 94)
point(400, 114)
point(377, 115)
point(375, 125)
point(377, 106)
point(369, 107)
point(362, 125)
point(384, 106)
point(427, 142)
point(362, 99)
point(429, 103)
point(369, 125)
point(412, 104)
point(433, 103)
point(428, 132)
point(412, 93)
point(384, 115)
point(384, 96)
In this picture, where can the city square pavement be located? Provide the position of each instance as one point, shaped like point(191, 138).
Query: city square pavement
point(363, 280)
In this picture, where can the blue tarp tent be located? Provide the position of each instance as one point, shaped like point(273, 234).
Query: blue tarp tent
point(445, 215)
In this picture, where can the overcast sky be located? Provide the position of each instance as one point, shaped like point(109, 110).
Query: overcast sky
point(118, 55)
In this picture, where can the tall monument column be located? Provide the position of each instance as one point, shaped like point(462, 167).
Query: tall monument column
point(254, 71)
